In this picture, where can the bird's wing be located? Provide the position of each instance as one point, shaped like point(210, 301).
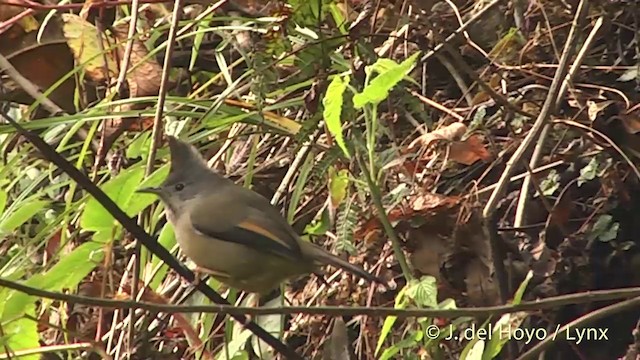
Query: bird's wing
point(248, 225)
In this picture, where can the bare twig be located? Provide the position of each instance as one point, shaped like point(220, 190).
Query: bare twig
point(529, 306)
point(537, 151)
point(554, 91)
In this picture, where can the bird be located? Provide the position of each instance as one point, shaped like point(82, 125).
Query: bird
point(232, 233)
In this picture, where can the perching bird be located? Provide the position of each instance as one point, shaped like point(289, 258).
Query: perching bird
point(233, 233)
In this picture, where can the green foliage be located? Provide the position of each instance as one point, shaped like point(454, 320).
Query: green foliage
point(346, 224)
point(332, 102)
point(604, 229)
point(418, 293)
point(390, 75)
point(551, 183)
point(121, 189)
point(15, 216)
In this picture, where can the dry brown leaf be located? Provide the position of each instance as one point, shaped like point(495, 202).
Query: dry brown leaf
point(144, 72)
point(433, 202)
point(469, 151)
point(596, 107)
point(452, 132)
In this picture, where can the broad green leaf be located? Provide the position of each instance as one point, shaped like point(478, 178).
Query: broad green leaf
point(388, 353)
point(389, 321)
point(22, 334)
point(502, 332)
point(589, 172)
point(378, 89)
point(138, 147)
point(604, 229)
point(273, 324)
point(234, 347)
point(72, 268)
point(140, 201)
point(476, 351)
point(523, 286)
point(332, 102)
point(319, 227)
point(3, 200)
point(66, 274)
point(23, 213)
point(338, 185)
point(551, 183)
point(120, 189)
point(167, 239)
point(424, 292)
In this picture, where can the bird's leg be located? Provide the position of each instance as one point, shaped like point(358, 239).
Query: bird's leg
point(198, 273)
point(253, 300)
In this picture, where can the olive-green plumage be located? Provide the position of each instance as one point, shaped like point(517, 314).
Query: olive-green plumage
point(233, 233)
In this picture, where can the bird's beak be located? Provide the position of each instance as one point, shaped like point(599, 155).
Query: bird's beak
point(150, 190)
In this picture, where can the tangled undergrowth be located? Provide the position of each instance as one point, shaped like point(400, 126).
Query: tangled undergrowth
point(471, 153)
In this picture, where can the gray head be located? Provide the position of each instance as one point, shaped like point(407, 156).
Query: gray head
point(189, 177)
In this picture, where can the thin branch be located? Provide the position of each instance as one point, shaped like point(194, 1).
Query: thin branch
point(489, 213)
point(561, 333)
point(529, 306)
point(540, 144)
point(554, 92)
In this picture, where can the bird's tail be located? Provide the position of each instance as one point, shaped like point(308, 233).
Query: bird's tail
point(323, 257)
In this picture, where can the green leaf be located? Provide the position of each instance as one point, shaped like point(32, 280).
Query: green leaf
point(22, 334)
point(3, 200)
point(389, 321)
point(550, 184)
point(234, 346)
point(502, 332)
point(140, 201)
point(388, 353)
point(319, 227)
point(138, 147)
point(65, 274)
point(523, 286)
point(120, 189)
point(332, 102)
point(167, 239)
point(604, 229)
point(24, 212)
point(424, 291)
point(273, 324)
point(378, 89)
point(338, 185)
point(475, 353)
point(588, 172)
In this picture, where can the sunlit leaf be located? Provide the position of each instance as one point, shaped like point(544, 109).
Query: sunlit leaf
point(338, 185)
point(22, 334)
point(120, 189)
point(26, 210)
point(333, 101)
point(378, 89)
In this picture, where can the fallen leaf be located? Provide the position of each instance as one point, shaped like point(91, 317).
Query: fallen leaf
point(452, 132)
point(469, 151)
point(84, 41)
point(144, 72)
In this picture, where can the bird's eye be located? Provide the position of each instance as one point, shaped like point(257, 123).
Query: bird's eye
point(179, 186)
